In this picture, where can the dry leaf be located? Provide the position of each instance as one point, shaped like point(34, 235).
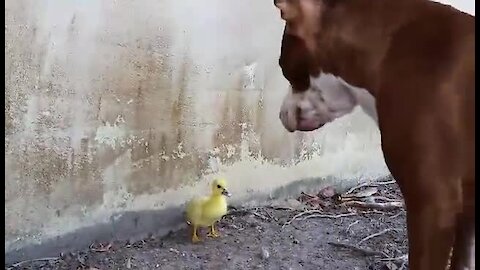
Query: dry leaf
point(327, 192)
point(363, 193)
point(391, 266)
point(367, 192)
point(102, 248)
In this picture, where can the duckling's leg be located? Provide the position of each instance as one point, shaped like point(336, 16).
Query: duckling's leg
point(212, 232)
point(195, 238)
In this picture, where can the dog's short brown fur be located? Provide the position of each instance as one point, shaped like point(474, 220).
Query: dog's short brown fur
point(416, 58)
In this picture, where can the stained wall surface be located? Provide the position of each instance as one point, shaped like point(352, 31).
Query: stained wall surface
point(123, 106)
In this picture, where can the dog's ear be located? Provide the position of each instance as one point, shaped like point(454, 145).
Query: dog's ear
point(299, 10)
point(289, 9)
point(302, 17)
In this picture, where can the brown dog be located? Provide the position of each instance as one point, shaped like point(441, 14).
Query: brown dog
point(416, 58)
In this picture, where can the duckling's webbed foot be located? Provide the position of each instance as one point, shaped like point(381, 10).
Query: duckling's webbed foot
point(212, 232)
point(195, 238)
point(213, 235)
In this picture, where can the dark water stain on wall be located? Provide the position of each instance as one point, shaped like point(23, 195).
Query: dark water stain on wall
point(42, 164)
point(154, 107)
point(86, 176)
point(22, 64)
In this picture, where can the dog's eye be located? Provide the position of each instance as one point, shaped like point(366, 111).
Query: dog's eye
point(218, 186)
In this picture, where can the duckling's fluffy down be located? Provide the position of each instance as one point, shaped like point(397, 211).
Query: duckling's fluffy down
point(205, 211)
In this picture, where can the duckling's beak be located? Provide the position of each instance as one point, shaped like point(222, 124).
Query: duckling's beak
point(226, 193)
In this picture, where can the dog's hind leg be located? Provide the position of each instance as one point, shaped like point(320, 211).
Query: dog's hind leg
point(463, 250)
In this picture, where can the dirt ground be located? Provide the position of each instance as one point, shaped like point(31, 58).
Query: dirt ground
point(323, 235)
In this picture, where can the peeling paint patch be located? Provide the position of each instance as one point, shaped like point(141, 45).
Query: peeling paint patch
point(110, 135)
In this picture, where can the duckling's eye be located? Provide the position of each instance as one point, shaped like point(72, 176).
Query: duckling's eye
point(218, 186)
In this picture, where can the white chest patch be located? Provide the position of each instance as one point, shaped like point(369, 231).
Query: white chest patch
point(337, 92)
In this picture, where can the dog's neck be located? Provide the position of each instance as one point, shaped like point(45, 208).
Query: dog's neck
point(354, 36)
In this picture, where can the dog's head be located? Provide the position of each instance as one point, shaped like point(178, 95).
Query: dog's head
point(325, 99)
point(303, 18)
point(314, 99)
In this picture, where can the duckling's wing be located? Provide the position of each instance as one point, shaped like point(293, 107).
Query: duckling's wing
point(193, 211)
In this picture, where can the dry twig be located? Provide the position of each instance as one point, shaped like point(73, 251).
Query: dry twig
point(329, 216)
point(280, 208)
point(396, 215)
point(382, 206)
point(383, 198)
point(260, 215)
point(374, 235)
point(402, 258)
point(299, 215)
point(308, 195)
point(315, 214)
point(372, 184)
point(353, 223)
point(102, 248)
point(366, 252)
point(35, 260)
point(270, 215)
point(362, 194)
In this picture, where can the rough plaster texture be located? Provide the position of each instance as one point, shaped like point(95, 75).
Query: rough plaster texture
point(117, 112)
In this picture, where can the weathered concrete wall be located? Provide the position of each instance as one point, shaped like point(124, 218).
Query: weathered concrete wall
point(133, 106)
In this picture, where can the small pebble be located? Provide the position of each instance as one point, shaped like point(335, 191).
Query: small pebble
point(265, 253)
point(174, 250)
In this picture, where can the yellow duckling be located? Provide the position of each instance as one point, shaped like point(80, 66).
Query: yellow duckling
point(205, 211)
